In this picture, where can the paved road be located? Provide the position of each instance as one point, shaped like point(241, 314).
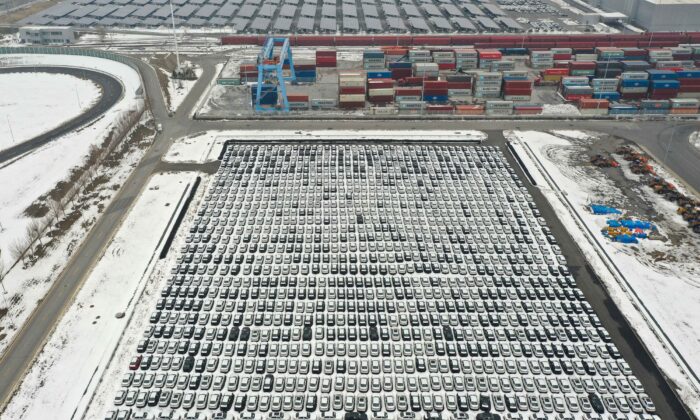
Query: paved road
point(112, 91)
point(31, 338)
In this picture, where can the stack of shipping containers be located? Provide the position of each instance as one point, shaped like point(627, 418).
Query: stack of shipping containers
point(380, 87)
point(486, 57)
point(351, 90)
point(487, 85)
point(516, 86)
point(466, 59)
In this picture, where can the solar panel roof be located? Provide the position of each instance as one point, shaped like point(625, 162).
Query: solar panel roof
point(349, 10)
point(83, 11)
point(163, 12)
point(240, 23)
point(464, 24)
point(370, 10)
point(62, 21)
point(267, 10)
point(288, 10)
point(283, 24)
point(329, 24)
point(197, 2)
point(122, 2)
point(247, 11)
point(217, 2)
point(452, 10)
point(418, 23)
point(509, 23)
point(218, 21)
point(102, 2)
point(308, 10)
point(488, 23)
point(328, 10)
point(432, 10)
point(197, 21)
point(139, 2)
point(473, 10)
point(145, 10)
point(260, 24)
point(227, 10)
point(104, 10)
point(396, 23)
point(60, 10)
point(493, 9)
point(185, 11)
point(207, 11)
point(411, 10)
point(124, 11)
point(351, 24)
point(373, 24)
point(305, 24)
point(390, 9)
point(441, 23)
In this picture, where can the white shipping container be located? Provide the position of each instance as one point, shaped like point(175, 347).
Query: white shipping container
point(408, 98)
point(499, 104)
point(586, 57)
point(517, 97)
point(381, 92)
point(634, 75)
point(324, 103)
point(352, 98)
point(383, 110)
point(352, 82)
point(684, 103)
point(411, 105)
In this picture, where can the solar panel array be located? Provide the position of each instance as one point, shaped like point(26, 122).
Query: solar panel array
point(286, 16)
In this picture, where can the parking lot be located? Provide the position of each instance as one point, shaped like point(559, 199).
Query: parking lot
point(391, 280)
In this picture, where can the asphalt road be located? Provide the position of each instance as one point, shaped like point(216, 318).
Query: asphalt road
point(31, 338)
point(112, 91)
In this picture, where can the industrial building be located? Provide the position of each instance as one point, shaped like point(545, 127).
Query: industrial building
point(658, 15)
point(47, 35)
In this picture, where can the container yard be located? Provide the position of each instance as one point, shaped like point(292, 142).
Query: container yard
point(599, 81)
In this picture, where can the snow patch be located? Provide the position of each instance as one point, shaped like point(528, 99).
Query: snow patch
point(30, 104)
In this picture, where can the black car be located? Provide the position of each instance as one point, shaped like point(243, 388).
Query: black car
point(596, 403)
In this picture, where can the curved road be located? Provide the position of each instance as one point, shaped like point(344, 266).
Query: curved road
point(30, 339)
point(112, 91)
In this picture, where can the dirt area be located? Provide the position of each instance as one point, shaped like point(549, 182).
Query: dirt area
point(166, 62)
point(620, 188)
point(19, 14)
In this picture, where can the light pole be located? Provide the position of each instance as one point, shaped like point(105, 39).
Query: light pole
point(172, 18)
point(12, 135)
point(668, 145)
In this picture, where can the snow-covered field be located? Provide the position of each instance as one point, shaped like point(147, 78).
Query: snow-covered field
point(655, 284)
point(206, 146)
point(29, 104)
point(37, 172)
point(102, 391)
point(62, 380)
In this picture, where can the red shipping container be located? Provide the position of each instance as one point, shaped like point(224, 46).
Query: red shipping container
point(447, 66)
point(298, 98)
point(381, 99)
point(562, 56)
point(582, 65)
point(688, 89)
point(397, 74)
point(459, 85)
point(593, 103)
point(326, 53)
point(380, 83)
point(439, 109)
point(435, 92)
point(323, 62)
point(633, 95)
point(576, 97)
point(517, 84)
point(351, 90)
point(516, 91)
point(351, 105)
point(557, 72)
point(408, 92)
point(435, 84)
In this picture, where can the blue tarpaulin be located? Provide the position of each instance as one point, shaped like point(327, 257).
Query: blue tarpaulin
point(601, 209)
point(635, 224)
point(626, 239)
point(613, 223)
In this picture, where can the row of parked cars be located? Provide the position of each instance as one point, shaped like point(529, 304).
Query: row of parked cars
point(373, 280)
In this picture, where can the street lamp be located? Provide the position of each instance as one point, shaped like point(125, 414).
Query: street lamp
point(172, 18)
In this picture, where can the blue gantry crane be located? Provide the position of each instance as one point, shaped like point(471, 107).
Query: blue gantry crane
point(271, 77)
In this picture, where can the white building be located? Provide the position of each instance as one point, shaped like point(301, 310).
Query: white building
point(47, 35)
point(657, 15)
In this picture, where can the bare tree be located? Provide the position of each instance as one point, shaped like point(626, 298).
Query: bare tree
point(18, 248)
point(34, 231)
point(56, 209)
point(2, 273)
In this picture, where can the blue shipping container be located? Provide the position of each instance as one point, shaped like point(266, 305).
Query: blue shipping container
point(611, 96)
point(399, 65)
point(379, 75)
point(660, 111)
point(305, 73)
point(689, 74)
point(661, 74)
point(514, 51)
point(665, 84)
point(435, 98)
point(373, 54)
point(634, 83)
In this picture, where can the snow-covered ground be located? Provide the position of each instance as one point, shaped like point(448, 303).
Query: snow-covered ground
point(179, 89)
point(61, 381)
point(28, 104)
point(654, 283)
point(559, 109)
point(695, 139)
point(206, 146)
point(101, 394)
point(36, 173)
